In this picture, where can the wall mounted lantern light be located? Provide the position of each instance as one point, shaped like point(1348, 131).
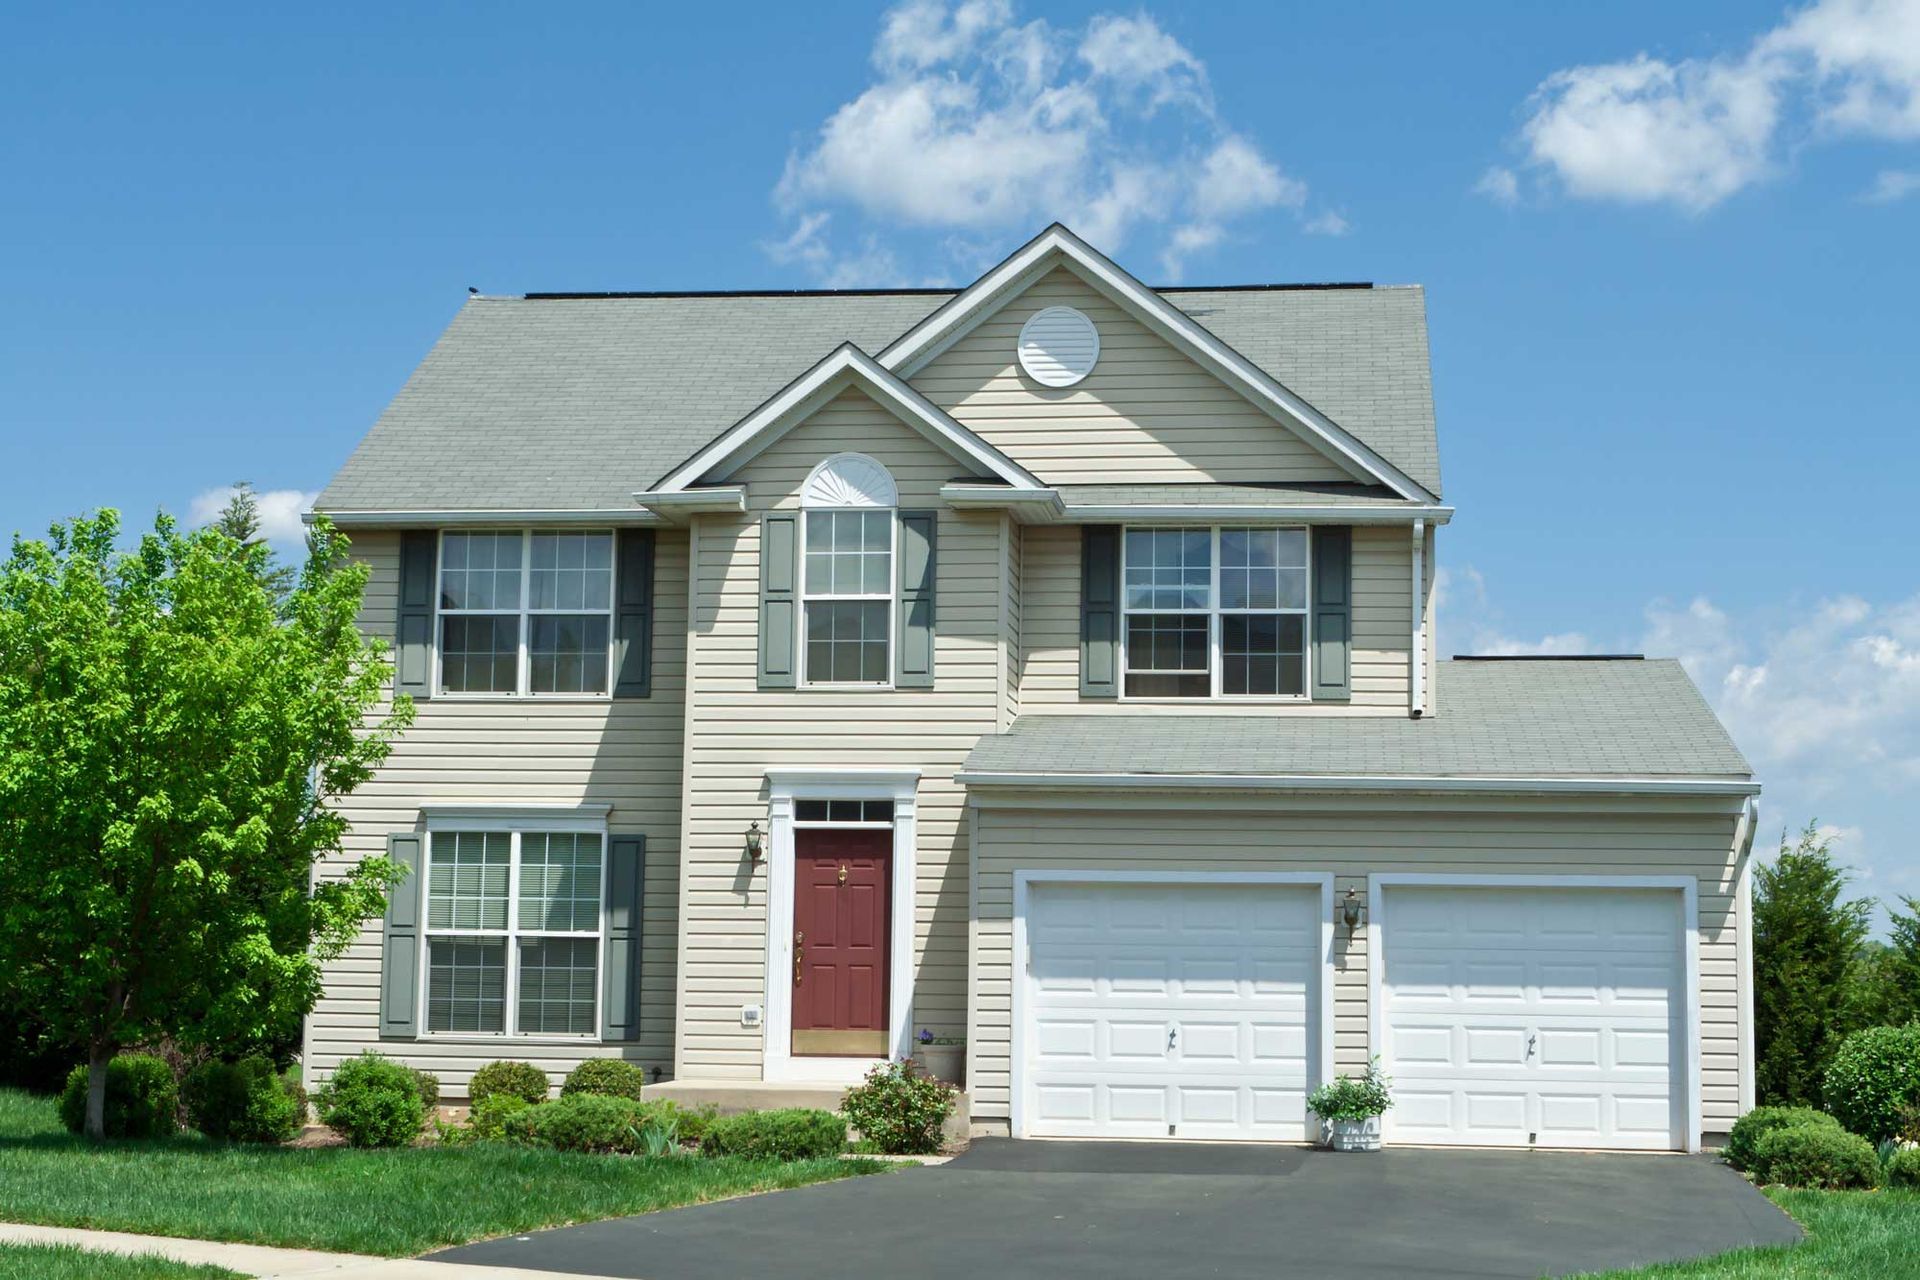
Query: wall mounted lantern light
point(755, 841)
point(1350, 909)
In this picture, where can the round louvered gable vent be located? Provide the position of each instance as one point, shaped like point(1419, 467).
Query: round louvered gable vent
point(1058, 346)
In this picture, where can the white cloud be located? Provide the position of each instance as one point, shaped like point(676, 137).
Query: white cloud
point(1695, 131)
point(1890, 185)
point(1499, 185)
point(977, 125)
point(1468, 621)
point(1327, 223)
point(279, 509)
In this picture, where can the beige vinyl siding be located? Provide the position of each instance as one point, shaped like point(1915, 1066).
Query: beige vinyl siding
point(735, 730)
point(1353, 840)
point(1050, 630)
point(623, 753)
point(1146, 414)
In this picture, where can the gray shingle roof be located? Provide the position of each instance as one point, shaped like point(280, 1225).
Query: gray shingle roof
point(1227, 495)
point(577, 402)
point(1582, 719)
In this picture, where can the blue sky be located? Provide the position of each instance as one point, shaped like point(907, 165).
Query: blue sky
point(1669, 252)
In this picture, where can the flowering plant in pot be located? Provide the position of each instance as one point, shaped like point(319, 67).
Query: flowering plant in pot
point(941, 1057)
point(1350, 1109)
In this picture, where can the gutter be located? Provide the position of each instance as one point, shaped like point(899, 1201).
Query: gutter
point(1310, 514)
point(416, 518)
point(1517, 784)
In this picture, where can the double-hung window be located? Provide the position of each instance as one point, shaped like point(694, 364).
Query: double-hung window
point(526, 612)
point(847, 596)
point(1215, 612)
point(513, 932)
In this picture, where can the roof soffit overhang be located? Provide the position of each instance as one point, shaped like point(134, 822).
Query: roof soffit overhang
point(1059, 246)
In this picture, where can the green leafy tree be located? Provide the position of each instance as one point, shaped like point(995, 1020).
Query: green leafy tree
point(1806, 939)
point(171, 739)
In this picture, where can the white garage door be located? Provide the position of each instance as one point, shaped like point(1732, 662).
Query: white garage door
point(1548, 1017)
point(1171, 1010)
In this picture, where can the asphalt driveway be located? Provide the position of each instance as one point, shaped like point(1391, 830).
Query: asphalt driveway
point(1006, 1210)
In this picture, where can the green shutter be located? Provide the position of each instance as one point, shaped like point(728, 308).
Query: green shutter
point(400, 941)
point(1100, 611)
point(1332, 613)
point(633, 613)
point(779, 597)
point(413, 620)
point(620, 984)
point(913, 647)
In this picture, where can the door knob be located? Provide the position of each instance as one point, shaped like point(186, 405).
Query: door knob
point(1173, 1038)
point(799, 952)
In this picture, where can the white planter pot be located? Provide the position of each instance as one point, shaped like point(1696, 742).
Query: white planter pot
point(946, 1062)
point(1354, 1135)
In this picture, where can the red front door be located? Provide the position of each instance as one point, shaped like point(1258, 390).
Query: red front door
point(840, 896)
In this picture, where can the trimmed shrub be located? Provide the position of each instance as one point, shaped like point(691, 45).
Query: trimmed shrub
point(1903, 1168)
point(373, 1101)
point(593, 1122)
point(142, 1098)
point(488, 1119)
point(792, 1133)
point(899, 1110)
point(245, 1101)
point(520, 1079)
point(1761, 1121)
point(1873, 1079)
point(1811, 1155)
point(611, 1077)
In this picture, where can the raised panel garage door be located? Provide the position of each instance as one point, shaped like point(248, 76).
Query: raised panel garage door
point(1545, 1017)
point(1186, 1011)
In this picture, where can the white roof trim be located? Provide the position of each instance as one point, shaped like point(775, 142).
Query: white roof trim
point(845, 366)
point(913, 349)
point(1318, 515)
point(1623, 785)
point(427, 518)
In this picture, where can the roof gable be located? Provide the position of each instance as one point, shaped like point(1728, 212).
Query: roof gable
point(1145, 413)
point(847, 366)
point(1058, 246)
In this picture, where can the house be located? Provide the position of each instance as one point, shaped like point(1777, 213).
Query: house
point(1049, 662)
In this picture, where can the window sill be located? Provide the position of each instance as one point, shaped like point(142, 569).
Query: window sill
point(522, 699)
point(480, 1040)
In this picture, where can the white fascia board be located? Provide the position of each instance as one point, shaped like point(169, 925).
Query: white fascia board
point(1028, 505)
point(428, 518)
point(725, 499)
point(1367, 782)
point(913, 349)
point(1310, 515)
point(846, 366)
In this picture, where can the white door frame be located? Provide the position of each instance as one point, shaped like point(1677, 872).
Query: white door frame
point(1023, 882)
point(1687, 886)
point(786, 784)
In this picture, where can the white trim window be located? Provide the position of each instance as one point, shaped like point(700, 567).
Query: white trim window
point(525, 612)
point(846, 573)
point(1217, 612)
point(513, 932)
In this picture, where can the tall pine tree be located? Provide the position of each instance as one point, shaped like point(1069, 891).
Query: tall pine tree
point(1806, 940)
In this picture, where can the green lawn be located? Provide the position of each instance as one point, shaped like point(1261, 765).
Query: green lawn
point(396, 1203)
point(1849, 1234)
point(64, 1262)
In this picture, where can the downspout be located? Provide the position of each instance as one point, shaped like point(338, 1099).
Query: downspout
point(1743, 948)
point(1417, 650)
